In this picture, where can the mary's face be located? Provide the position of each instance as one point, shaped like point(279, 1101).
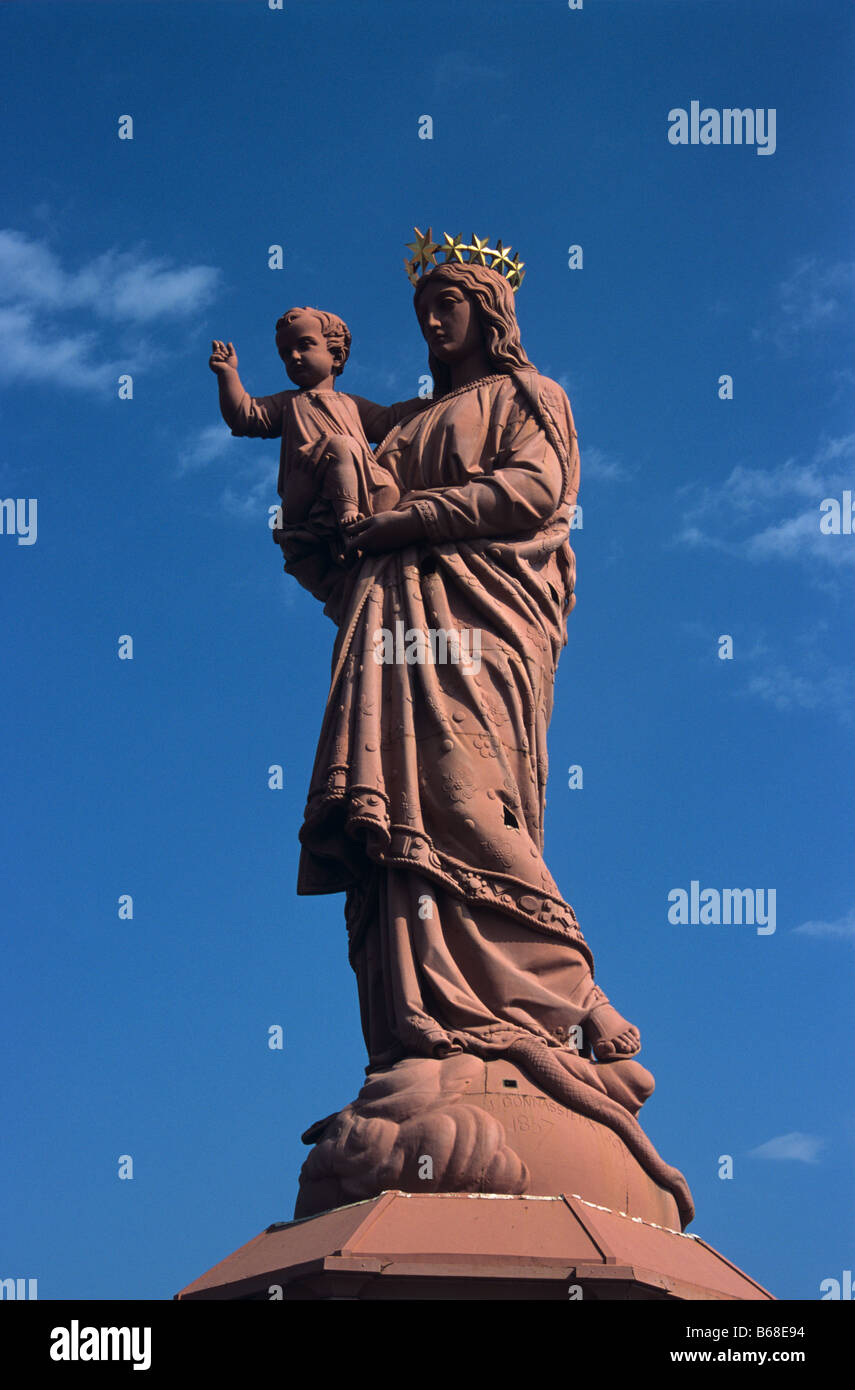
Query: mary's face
point(449, 323)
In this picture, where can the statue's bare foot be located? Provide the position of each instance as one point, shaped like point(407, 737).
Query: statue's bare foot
point(350, 519)
point(611, 1036)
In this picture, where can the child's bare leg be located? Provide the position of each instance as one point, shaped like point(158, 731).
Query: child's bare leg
point(341, 480)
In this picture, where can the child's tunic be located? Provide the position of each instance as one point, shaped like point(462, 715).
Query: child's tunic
point(305, 418)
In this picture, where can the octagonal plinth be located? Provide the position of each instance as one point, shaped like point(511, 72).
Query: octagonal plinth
point(456, 1246)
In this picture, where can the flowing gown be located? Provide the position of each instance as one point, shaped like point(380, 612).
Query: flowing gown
point(427, 798)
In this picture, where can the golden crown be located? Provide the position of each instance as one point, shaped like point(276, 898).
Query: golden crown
point(424, 250)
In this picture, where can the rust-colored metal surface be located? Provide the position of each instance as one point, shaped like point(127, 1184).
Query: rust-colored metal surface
point(465, 1125)
point(497, 1067)
point(444, 559)
point(409, 1246)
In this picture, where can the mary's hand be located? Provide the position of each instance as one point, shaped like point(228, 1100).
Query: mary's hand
point(386, 531)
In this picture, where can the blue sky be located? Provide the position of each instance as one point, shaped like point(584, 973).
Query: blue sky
point(701, 518)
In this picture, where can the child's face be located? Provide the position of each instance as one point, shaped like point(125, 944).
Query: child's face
point(305, 352)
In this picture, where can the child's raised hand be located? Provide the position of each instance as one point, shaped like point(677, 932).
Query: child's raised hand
point(223, 357)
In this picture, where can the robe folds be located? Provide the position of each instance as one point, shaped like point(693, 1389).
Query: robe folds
point(426, 802)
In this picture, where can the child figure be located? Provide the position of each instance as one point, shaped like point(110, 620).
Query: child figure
point(328, 476)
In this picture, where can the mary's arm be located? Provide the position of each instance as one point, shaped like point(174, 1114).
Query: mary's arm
point(527, 485)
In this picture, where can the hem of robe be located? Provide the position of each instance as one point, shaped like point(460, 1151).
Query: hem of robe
point(452, 979)
point(335, 849)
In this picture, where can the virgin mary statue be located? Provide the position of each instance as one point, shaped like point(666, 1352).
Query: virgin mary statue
point(426, 803)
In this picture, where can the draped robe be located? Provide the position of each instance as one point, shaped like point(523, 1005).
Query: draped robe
point(427, 798)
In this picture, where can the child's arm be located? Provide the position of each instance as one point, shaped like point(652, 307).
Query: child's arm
point(260, 416)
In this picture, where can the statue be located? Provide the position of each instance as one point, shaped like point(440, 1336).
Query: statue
point(426, 803)
point(328, 471)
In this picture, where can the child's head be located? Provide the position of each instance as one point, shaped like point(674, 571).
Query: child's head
point(313, 345)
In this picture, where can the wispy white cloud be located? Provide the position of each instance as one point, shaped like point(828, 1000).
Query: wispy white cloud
point(803, 1148)
point(747, 491)
point(816, 294)
point(837, 451)
point(251, 472)
point(247, 498)
point(693, 536)
point(843, 926)
point(800, 537)
point(205, 447)
point(34, 353)
point(774, 513)
point(814, 298)
point(602, 467)
point(800, 675)
point(53, 318)
point(118, 285)
point(830, 690)
point(250, 486)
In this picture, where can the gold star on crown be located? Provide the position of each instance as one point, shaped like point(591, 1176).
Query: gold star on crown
point(477, 252)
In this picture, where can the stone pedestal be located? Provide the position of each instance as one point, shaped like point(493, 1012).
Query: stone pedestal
point(465, 1125)
point(457, 1246)
point(459, 1178)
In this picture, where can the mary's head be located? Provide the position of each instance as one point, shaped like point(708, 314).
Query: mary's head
point(462, 308)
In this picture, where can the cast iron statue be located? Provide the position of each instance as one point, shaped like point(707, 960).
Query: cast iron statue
point(426, 804)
